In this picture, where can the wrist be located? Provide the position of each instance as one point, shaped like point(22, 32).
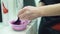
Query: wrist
point(40, 11)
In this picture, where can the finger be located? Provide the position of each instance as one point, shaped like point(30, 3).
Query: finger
point(22, 10)
point(24, 16)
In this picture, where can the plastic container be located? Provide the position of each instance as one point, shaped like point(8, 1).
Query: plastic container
point(20, 27)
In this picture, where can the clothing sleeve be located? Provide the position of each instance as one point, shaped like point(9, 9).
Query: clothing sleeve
point(41, 0)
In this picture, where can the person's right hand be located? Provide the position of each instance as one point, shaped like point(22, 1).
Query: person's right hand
point(29, 13)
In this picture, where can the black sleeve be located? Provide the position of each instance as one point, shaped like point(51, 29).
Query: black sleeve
point(41, 0)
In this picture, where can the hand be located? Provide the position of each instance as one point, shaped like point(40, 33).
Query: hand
point(29, 13)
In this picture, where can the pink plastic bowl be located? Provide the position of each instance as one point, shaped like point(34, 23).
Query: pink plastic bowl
point(22, 26)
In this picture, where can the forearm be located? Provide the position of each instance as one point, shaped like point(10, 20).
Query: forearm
point(50, 10)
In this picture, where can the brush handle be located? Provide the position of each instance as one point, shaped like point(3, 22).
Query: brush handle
point(17, 22)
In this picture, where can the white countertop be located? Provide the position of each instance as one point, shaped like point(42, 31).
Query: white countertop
point(9, 30)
